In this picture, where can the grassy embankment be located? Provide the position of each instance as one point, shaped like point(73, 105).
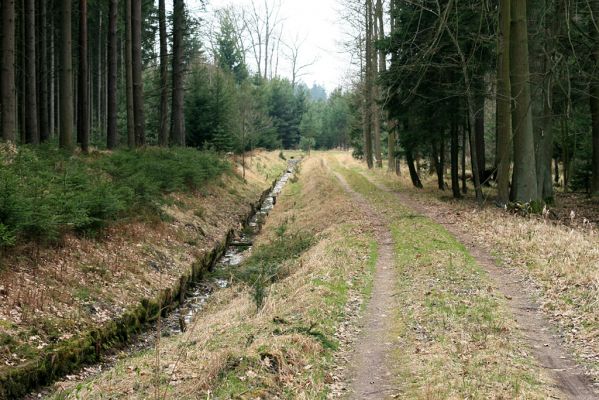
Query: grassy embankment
point(86, 239)
point(456, 337)
point(314, 253)
point(560, 263)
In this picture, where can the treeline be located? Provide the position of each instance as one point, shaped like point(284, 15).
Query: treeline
point(133, 73)
point(77, 71)
point(508, 90)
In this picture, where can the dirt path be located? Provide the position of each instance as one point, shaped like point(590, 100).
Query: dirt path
point(546, 346)
point(371, 374)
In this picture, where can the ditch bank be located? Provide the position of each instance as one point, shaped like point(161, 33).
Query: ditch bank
point(70, 355)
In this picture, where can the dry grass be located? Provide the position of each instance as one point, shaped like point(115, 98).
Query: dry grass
point(283, 350)
point(456, 337)
point(51, 294)
point(561, 263)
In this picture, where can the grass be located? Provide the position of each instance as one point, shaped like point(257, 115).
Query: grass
point(45, 193)
point(66, 291)
point(456, 337)
point(560, 261)
point(285, 349)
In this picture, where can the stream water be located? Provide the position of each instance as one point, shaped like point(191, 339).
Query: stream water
point(239, 248)
point(197, 295)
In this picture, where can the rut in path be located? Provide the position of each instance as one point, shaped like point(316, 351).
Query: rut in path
point(536, 329)
point(372, 375)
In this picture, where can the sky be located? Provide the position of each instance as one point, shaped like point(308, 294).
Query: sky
point(319, 23)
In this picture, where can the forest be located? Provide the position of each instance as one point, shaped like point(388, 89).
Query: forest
point(262, 199)
point(511, 86)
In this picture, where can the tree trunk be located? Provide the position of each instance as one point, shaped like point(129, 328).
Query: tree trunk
point(480, 135)
point(129, 75)
point(178, 117)
point(464, 149)
point(438, 165)
point(66, 77)
point(111, 132)
point(368, 87)
point(32, 134)
point(455, 154)
point(163, 128)
point(52, 73)
point(391, 158)
point(594, 101)
point(376, 110)
point(504, 95)
point(83, 111)
point(138, 89)
point(8, 99)
point(43, 73)
point(524, 185)
point(413, 173)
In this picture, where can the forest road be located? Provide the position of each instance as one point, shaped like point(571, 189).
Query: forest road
point(538, 331)
point(371, 375)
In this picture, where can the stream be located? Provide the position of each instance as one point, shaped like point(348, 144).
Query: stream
point(196, 296)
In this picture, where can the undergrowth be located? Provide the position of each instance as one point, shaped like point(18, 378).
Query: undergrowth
point(266, 264)
point(45, 193)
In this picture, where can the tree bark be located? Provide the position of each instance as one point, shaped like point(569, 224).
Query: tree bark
point(413, 172)
point(52, 72)
point(129, 75)
point(524, 185)
point(32, 133)
point(112, 60)
point(368, 87)
point(178, 117)
point(480, 135)
point(43, 73)
point(163, 128)
point(66, 77)
point(464, 148)
point(594, 101)
point(138, 89)
point(83, 104)
point(376, 90)
point(504, 95)
point(7, 81)
point(438, 164)
point(455, 154)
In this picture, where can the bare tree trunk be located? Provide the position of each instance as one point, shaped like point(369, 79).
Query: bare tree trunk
point(438, 164)
point(524, 185)
point(83, 112)
point(32, 134)
point(112, 60)
point(455, 154)
point(504, 95)
point(178, 117)
point(52, 73)
point(374, 69)
point(163, 129)
point(594, 101)
point(7, 81)
point(480, 134)
point(66, 78)
point(464, 149)
point(368, 87)
point(138, 89)
point(413, 172)
point(43, 73)
point(129, 76)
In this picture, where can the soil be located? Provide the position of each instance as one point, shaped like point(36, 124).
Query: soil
point(371, 371)
point(539, 332)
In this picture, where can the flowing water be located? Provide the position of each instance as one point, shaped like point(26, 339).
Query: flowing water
point(198, 294)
